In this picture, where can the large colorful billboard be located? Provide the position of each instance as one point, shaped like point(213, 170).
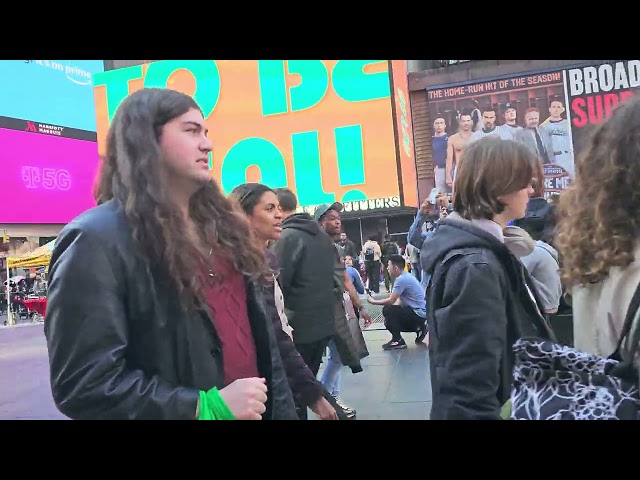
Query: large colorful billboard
point(45, 179)
point(528, 107)
point(49, 153)
point(552, 112)
point(404, 132)
point(53, 92)
point(324, 128)
point(594, 91)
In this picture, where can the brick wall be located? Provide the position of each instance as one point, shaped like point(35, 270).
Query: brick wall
point(422, 142)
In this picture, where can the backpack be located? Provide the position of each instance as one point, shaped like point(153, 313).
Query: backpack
point(388, 248)
point(369, 254)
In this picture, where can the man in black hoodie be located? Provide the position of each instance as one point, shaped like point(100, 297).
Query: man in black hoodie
point(306, 255)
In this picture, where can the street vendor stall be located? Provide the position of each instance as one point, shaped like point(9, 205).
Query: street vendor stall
point(40, 257)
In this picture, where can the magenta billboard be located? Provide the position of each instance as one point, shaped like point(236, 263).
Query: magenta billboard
point(48, 149)
point(45, 178)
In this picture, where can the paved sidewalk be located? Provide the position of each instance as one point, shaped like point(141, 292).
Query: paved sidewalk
point(394, 385)
point(25, 392)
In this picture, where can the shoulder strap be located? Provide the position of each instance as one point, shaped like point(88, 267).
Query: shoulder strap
point(633, 312)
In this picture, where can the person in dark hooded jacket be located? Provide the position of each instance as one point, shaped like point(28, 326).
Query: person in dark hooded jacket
point(540, 215)
point(480, 297)
point(306, 255)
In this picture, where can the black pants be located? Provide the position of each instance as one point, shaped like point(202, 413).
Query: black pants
point(373, 275)
point(401, 319)
point(311, 353)
point(388, 281)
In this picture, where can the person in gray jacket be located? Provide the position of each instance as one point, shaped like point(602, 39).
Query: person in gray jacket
point(542, 265)
point(536, 138)
point(541, 261)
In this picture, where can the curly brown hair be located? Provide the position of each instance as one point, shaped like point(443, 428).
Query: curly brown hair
point(598, 219)
point(133, 174)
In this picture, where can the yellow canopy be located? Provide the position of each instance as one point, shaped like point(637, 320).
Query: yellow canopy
point(38, 258)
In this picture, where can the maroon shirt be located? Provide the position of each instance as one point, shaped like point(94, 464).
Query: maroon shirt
point(228, 303)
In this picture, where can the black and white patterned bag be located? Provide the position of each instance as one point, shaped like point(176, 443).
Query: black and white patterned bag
point(556, 382)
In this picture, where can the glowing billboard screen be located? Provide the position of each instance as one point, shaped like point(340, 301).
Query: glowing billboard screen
point(324, 128)
point(45, 179)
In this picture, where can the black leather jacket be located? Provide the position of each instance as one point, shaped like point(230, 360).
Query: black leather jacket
point(121, 346)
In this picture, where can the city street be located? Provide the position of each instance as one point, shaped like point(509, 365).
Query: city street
point(393, 386)
point(277, 162)
point(24, 375)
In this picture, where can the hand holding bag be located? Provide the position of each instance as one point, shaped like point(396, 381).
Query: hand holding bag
point(354, 327)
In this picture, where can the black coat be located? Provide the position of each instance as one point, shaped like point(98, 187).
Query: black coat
point(121, 346)
point(479, 306)
point(304, 384)
point(307, 258)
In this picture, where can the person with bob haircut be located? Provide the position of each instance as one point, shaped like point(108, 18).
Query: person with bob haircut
point(480, 297)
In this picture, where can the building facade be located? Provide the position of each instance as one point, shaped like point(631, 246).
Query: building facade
point(568, 97)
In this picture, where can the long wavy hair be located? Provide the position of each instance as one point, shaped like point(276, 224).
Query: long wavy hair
point(598, 216)
point(133, 173)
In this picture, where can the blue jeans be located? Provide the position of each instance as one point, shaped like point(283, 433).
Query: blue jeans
point(424, 281)
point(416, 270)
point(332, 373)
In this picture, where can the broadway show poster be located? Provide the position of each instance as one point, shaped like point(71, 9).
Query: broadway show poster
point(530, 108)
point(593, 93)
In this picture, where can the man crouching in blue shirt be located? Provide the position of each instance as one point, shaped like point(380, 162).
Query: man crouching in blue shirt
point(411, 314)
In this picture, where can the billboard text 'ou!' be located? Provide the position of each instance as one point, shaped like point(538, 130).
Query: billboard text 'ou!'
point(324, 128)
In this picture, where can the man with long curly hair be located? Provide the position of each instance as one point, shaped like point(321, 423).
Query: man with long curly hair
point(598, 229)
point(154, 311)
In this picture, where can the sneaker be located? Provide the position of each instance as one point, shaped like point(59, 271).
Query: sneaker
point(348, 411)
point(394, 345)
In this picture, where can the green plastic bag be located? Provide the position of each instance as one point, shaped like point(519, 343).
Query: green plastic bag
point(505, 411)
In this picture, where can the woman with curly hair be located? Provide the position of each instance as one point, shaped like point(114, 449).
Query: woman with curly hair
point(598, 230)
